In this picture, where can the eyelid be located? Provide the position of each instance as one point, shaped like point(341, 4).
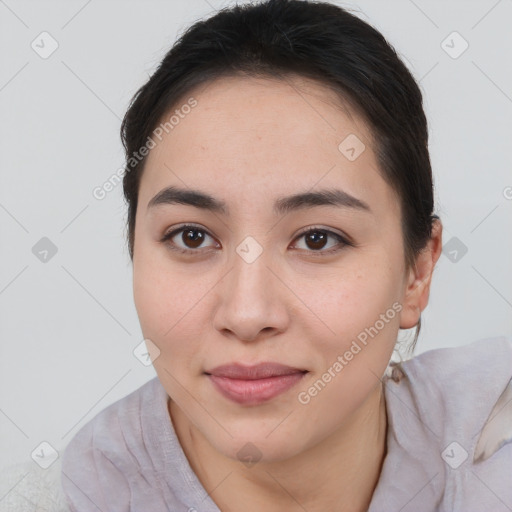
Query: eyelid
point(178, 229)
point(182, 227)
point(343, 239)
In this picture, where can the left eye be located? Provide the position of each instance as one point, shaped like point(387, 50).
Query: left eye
point(316, 238)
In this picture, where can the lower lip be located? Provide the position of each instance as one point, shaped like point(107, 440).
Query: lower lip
point(253, 392)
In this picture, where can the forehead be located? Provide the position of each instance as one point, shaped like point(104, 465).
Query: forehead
point(256, 137)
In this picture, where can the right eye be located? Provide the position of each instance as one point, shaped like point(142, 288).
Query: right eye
point(191, 237)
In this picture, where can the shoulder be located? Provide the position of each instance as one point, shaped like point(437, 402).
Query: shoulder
point(462, 393)
point(449, 430)
point(104, 429)
point(481, 355)
point(455, 387)
point(102, 450)
point(478, 370)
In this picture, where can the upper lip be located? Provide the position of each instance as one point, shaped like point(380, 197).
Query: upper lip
point(258, 371)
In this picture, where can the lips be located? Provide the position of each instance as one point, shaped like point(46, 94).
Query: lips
point(259, 371)
point(252, 385)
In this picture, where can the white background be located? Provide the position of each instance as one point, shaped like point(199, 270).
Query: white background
point(68, 326)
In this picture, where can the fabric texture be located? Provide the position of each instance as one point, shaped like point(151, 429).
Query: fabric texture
point(26, 487)
point(435, 420)
point(128, 458)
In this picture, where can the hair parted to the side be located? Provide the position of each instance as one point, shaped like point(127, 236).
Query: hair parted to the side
point(316, 40)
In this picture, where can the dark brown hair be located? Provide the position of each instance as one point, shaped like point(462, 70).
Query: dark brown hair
point(317, 40)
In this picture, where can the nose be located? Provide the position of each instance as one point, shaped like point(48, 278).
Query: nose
point(251, 301)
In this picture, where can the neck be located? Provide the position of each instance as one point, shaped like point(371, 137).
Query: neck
point(340, 473)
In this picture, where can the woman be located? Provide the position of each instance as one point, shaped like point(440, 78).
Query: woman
point(281, 228)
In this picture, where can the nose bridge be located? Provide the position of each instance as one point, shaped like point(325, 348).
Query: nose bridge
point(249, 300)
point(250, 275)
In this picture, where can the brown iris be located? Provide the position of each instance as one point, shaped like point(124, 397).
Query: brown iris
point(317, 238)
point(193, 236)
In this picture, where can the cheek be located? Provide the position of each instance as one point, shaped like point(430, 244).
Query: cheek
point(167, 301)
point(356, 298)
point(363, 313)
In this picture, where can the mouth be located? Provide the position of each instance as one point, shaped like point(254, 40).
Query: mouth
point(253, 385)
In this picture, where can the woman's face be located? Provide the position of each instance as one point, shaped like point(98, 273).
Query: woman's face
point(253, 287)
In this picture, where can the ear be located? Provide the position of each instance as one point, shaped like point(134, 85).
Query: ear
point(418, 282)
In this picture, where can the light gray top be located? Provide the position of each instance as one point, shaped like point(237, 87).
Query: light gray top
point(128, 458)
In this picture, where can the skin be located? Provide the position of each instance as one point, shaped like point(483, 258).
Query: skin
point(249, 141)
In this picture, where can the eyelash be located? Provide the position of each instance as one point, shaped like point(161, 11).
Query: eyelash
point(166, 238)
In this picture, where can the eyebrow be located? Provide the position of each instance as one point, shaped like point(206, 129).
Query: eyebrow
point(283, 205)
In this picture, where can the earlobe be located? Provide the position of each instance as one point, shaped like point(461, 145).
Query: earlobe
point(417, 292)
point(410, 316)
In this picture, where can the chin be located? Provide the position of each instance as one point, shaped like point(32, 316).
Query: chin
point(257, 446)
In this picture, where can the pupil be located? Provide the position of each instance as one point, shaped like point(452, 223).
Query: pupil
point(318, 239)
point(193, 236)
